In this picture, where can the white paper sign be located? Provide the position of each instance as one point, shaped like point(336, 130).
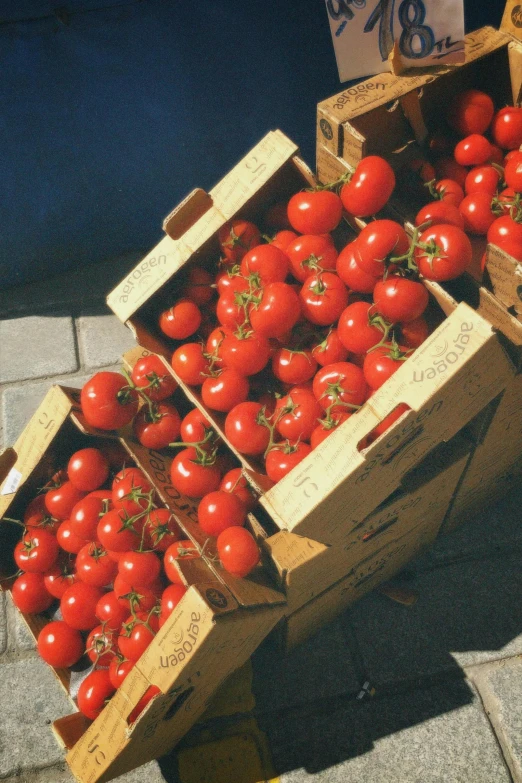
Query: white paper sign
point(427, 32)
point(12, 482)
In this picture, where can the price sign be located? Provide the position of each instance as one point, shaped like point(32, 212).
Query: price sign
point(423, 32)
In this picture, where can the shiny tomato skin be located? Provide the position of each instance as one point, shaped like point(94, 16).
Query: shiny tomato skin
point(470, 111)
point(248, 355)
point(354, 329)
point(30, 594)
point(452, 253)
point(88, 469)
point(413, 333)
point(194, 426)
point(379, 366)
point(323, 298)
point(189, 364)
point(348, 377)
point(355, 278)
point(60, 645)
point(449, 190)
point(473, 150)
point(107, 402)
point(181, 320)
point(157, 433)
point(101, 645)
point(68, 540)
point(482, 179)
point(506, 128)
point(78, 606)
point(379, 240)
point(118, 670)
point(222, 392)
point(284, 238)
point(277, 311)
point(513, 172)
point(219, 510)
point(136, 637)
point(310, 251)
point(330, 350)
point(370, 188)
point(37, 551)
point(140, 569)
point(93, 693)
point(180, 550)
point(61, 500)
point(237, 238)
point(506, 233)
point(293, 367)
point(300, 418)
point(150, 372)
point(132, 493)
point(161, 529)
point(86, 515)
point(110, 612)
point(94, 566)
point(234, 481)
point(400, 299)
point(440, 212)
point(267, 262)
point(477, 214)
point(57, 579)
point(142, 599)
point(191, 478)
point(315, 212)
point(112, 533)
point(170, 598)
point(279, 463)
point(448, 168)
point(238, 551)
point(243, 430)
point(321, 432)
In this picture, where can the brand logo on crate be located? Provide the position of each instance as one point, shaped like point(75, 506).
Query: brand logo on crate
point(216, 598)
point(516, 16)
point(357, 93)
point(326, 129)
point(182, 649)
point(140, 275)
point(446, 355)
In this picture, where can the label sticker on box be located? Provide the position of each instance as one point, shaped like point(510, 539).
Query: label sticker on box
point(423, 32)
point(12, 482)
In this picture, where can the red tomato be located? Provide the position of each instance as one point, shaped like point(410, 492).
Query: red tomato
point(229, 280)
point(130, 597)
point(293, 367)
point(107, 401)
point(88, 469)
point(284, 238)
point(30, 594)
point(140, 569)
point(118, 670)
point(219, 510)
point(268, 263)
point(497, 155)
point(191, 476)
point(222, 392)
point(377, 242)
point(506, 233)
point(477, 214)
point(42, 520)
point(296, 414)
point(470, 111)
point(244, 430)
point(506, 200)
point(482, 178)
point(449, 190)
point(277, 310)
point(37, 551)
point(326, 427)
point(162, 529)
point(58, 579)
point(513, 172)
point(101, 645)
point(181, 320)
point(323, 298)
point(94, 566)
point(237, 238)
point(132, 493)
point(445, 253)
point(506, 128)
point(150, 374)
point(234, 481)
point(110, 612)
point(341, 385)
point(157, 429)
point(138, 633)
point(68, 540)
point(473, 150)
point(315, 212)
point(354, 328)
point(180, 550)
point(311, 253)
point(116, 533)
point(370, 187)
point(330, 349)
point(281, 459)
point(35, 506)
point(437, 212)
point(198, 284)
point(233, 309)
point(248, 355)
point(86, 515)
point(238, 551)
point(194, 426)
point(414, 332)
point(78, 606)
point(447, 168)
point(60, 645)
point(170, 598)
point(388, 420)
point(400, 299)
point(381, 364)
point(93, 693)
point(61, 500)
point(351, 273)
point(190, 364)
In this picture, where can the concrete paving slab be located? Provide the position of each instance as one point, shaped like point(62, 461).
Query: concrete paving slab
point(102, 339)
point(19, 638)
point(61, 774)
point(3, 623)
point(438, 734)
point(467, 613)
point(36, 347)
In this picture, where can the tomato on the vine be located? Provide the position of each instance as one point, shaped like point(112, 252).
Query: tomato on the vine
point(506, 233)
point(267, 263)
point(277, 310)
point(94, 566)
point(355, 331)
point(78, 606)
point(351, 273)
point(237, 238)
point(86, 515)
point(222, 391)
point(194, 426)
point(473, 150)
point(94, 692)
point(400, 298)
point(377, 242)
point(110, 612)
point(340, 386)
point(296, 414)
point(140, 569)
point(180, 550)
point(370, 187)
point(381, 363)
point(157, 426)
point(219, 510)
point(506, 128)
point(234, 481)
point(293, 366)
point(108, 402)
point(244, 430)
point(437, 212)
point(37, 551)
point(192, 476)
point(170, 598)
point(311, 253)
point(482, 179)
point(323, 298)
point(61, 500)
point(283, 457)
point(149, 373)
point(444, 252)
point(137, 633)
point(330, 349)
point(449, 190)
point(315, 211)
point(101, 645)
point(470, 111)
point(190, 363)
point(477, 213)
point(247, 354)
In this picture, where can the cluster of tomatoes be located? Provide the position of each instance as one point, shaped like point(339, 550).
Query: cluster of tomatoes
point(97, 546)
point(476, 178)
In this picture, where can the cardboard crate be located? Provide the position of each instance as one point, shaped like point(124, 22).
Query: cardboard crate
point(209, 635)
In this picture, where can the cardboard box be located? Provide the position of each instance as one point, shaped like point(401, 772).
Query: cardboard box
point(209, 635)
point(504, 278)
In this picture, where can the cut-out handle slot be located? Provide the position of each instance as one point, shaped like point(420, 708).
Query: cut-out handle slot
point(383, 426)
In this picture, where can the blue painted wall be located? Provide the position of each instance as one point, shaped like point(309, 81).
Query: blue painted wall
point(108, 117)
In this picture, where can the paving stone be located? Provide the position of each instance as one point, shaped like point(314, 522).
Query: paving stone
point(320, 668)
point(102, 339)
point(19, 637)
point(20, 402)
point(439, 734)
point(3, 623)
point(501, 689)
point(31, 698)
point(36, 347)
point(61, 774)
point(467, 613)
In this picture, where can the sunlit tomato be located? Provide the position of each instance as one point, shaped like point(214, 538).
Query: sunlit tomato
point(381, 364)
point(323, 298)
point(118, 670)
point(315, 212)
point(449, 190)
point(277, 310)
point(311, 253)
point(448, 168)
point(190, 364)
point(190, 476)
point(377, 242)
point(132, 494)
point(244, 428)
point(58, 578)
point(470, 111)
point(61, 500)
point(87, 469)
point(140, 569)
point(110, 612)
point(513, 172)
point(158, 426)
point(150, 373)
point(296, 414)
point(60, 645)
point(223, 391)
point(237, 238)
point(477, 214)
point(85, 516)
point(138, 632)
point(341, 384)
point(180, 550)
point(68, 540)
point(233, 309)
point(370, 187)
point(400, 299)
point(197, 286)
point(248, 355)
point(473, 150)
point(268, 263)
point(413, 333)
point(181, 320)
point(238, 551)
point(293, 367)
point(37, 551)
point(445, 253)
point(330, 349)
point(142, 599)
point(162, 530)
point(326, 427)
point(354, 328)
point(506, 128)
point(351, 273)
point(107, 401)
point(482, 179)
point(101, 645)
point(94, 692)
point(282, 458)
point(234, 481)
point(30, 594)
point(437, 212)
point(78, 606)
point(284, 238)
point(219, 510)
point(506, 233)
point(94, 566)
point(170, 598)
point(116, 533)
point(194, 426)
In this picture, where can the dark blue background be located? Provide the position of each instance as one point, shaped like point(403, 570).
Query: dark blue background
point(108, 117)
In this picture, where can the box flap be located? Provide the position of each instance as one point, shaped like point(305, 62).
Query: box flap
point(506, 277)
point(512, 19)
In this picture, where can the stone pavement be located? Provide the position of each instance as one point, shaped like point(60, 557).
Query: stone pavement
point(386, 694)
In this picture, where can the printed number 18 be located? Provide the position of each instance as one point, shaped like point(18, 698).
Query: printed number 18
point(412, 14)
